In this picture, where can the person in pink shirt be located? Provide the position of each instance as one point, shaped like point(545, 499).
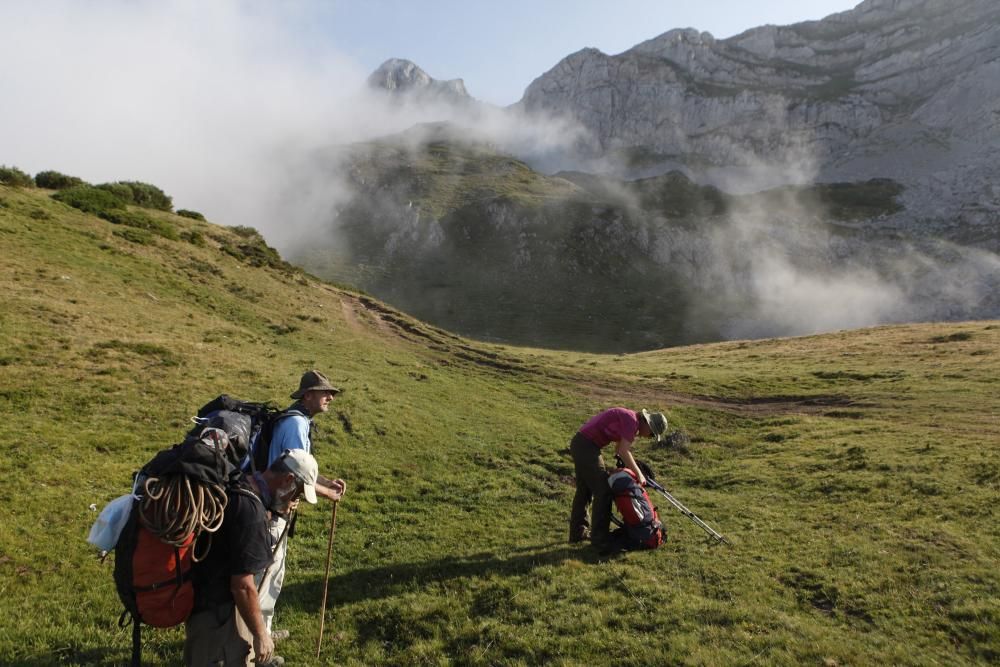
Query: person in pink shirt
point(620, 426)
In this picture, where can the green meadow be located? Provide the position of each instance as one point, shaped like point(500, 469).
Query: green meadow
point(857, 473)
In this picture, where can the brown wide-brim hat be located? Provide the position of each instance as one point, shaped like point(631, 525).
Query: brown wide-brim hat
point(656, 421)
point(314, 381)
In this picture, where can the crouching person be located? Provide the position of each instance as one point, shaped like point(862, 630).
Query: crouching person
point(620, 426)
point(226, 626)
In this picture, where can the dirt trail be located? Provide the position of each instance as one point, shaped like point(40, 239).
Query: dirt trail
point(750, 407)
point(350, 316)
point(362, 312)
point(361, 318)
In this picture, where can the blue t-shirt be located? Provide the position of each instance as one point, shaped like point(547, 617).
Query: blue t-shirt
point(289, 433)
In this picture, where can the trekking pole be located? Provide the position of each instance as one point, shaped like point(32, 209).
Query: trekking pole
point(686, 512)
point(326, 578)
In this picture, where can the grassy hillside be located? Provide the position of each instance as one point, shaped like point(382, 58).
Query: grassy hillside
point(857, 474)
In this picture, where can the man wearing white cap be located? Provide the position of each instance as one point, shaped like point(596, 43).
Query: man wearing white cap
point(226, 626)
point(293, 433)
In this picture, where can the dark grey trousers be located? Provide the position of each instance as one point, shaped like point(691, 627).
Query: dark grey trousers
point(591, 489)
point(217, 636)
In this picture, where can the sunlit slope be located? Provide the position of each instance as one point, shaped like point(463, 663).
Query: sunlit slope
point(856, 473)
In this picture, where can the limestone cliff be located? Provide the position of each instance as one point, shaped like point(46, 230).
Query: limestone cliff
point(902, 89)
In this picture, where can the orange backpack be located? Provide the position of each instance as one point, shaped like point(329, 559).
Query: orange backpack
point(643, 529)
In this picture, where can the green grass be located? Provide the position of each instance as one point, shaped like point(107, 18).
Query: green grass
point(856, 473)
point(442, 175)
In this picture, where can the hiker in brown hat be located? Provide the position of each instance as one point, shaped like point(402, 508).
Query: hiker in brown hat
point(293, 431)
point(620, 426)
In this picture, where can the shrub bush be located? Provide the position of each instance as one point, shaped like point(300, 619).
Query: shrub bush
point(140, 220)
point(133, 235)
point(119, 190)
point(54, 180)
point(194, 215)
point(140, 194)
point(150, 196)
point(89, 199)
point(15, 177)
point(194, 237)
point(254, 251)
point(247, 232)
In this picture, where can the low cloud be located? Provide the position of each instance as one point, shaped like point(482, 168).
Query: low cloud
point(775, 267)
point(222, 104)
point(206, 100)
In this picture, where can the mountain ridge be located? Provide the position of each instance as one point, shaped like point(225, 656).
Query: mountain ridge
point(905, 90)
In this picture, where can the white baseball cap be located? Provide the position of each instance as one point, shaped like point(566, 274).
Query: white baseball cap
point(305, 469)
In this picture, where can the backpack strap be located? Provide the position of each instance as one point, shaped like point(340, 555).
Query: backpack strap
point(244, 491)
point(289, 522)
point(136, 643)
point(266, 433)
point(136, 636)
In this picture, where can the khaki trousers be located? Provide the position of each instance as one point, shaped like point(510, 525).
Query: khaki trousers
point(270, 589)
point(591, 488)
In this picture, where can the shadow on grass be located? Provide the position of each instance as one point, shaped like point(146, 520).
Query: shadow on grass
point(155, 649)
point(389, 580)
point(96, 656)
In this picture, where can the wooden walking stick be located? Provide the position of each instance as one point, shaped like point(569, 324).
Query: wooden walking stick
point(326, 578)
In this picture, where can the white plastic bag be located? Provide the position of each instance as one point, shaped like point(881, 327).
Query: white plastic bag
point(105, 531)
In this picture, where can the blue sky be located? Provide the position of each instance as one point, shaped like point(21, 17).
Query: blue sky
point(499, 47)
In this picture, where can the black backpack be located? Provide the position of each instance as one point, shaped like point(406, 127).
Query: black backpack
point(153, 557)
point(249, 426)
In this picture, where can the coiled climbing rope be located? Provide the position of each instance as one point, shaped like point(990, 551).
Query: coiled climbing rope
point(173, 508)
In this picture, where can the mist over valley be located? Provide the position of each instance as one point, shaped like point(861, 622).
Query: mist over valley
point(828, 175)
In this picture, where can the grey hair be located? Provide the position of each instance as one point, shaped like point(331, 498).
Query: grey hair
point(279, 467)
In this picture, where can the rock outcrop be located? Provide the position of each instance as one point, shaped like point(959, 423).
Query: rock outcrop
point(405, 79)
point(902, 89)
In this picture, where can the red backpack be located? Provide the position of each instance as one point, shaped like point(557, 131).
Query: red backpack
point(642, 528)
point(153, 577)
point(156, 550)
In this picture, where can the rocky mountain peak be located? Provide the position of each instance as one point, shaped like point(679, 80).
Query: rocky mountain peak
point(403, 77)
point(901, 89)
point(679, 39)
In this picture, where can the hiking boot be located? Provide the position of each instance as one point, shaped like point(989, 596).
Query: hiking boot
point(612, 551)
point(279, 635)
point(579, 535)
point(610, 547)
point(275, 661)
